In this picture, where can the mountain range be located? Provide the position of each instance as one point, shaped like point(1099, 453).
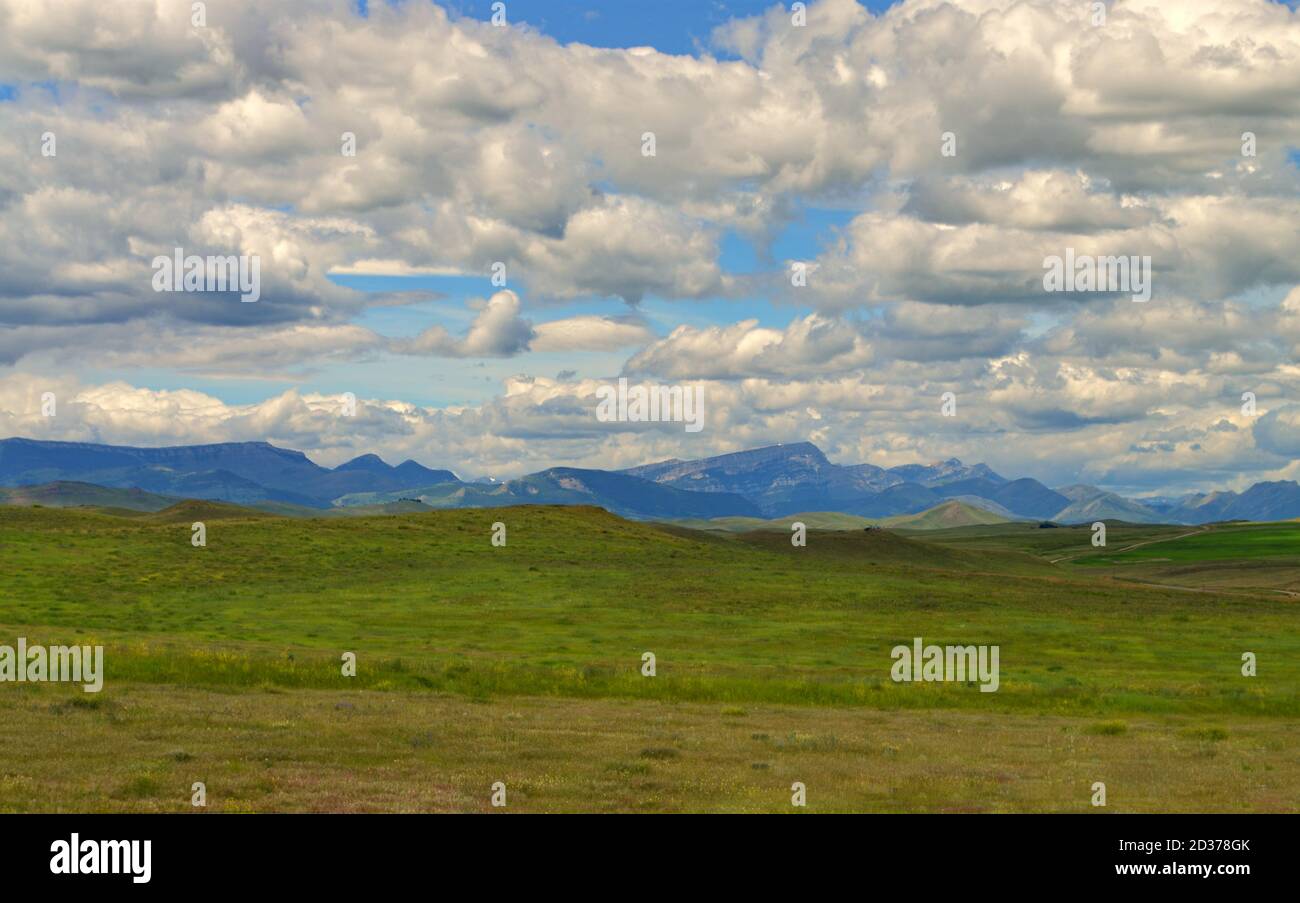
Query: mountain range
point(240, 472)
point(768, 483)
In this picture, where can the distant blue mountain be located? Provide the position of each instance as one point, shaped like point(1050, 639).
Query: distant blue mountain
point(944, 473)
point(239, 472)
point(1278, 500)
point(775, 481)
point(779, 479)
point(789, 479)
point(408, 473)
point(1025, 497)
point(364, 463)
point(620, 493)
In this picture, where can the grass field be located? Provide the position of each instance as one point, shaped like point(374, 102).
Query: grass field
point(947, 515)
point(1229, 558)
point(523, 664)
point(814, 520)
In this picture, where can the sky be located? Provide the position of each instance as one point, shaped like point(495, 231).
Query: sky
point(848, 212)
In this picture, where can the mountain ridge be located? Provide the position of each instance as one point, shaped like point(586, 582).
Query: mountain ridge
point(767, 482)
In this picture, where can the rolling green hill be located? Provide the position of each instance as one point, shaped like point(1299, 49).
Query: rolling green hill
point(474, 659)
point(194, 510)
point(1223, 557)
point(815, 520)
point(1219, 543)
point(67, 494)
point(574, 586)
point(945, 517)
point(400, 506)
point(940, 517)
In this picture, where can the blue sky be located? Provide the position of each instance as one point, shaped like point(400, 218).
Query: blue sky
point(482, 144)
point(449, 382)
point(672, 26)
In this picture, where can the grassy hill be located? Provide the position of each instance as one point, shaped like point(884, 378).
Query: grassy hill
point(470, 655)
point(1217, 543)
point(1231, 557)
point(191, 511)
point(941, 517)
point(945, 517)
point(400, 506)
point(578, 589)
point(814, 520)
point(1228, 557)
point(67, 494)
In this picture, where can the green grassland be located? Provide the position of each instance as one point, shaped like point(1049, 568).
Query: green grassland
point(1222, 542)
point(1237, 558)
point(949, 515)
point(263, 750)
point(813, 520)
point(1054, 543)
point(526, 661)
point(945, 516)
